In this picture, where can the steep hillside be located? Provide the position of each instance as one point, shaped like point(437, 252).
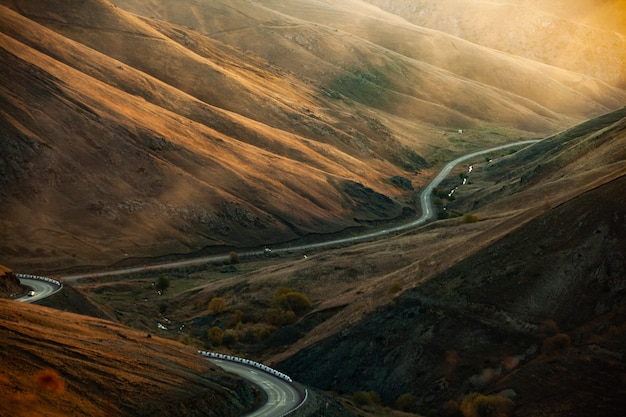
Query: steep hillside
point(63, 364)
point(385, 62)
point(535, 315)
point(584, 36)
point(93, 171)
point(238, 124)
point(9, 283)
point(553, 170)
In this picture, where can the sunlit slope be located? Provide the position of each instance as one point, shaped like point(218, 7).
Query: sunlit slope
point(93, 173)
point(583, 36)
point(62, 364)
point(385, 62)
point(239, 124)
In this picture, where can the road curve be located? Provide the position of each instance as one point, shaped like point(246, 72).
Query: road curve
point(42, 289)
point(282, 397)
point(425, 203)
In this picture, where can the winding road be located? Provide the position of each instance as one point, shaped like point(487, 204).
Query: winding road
point(425, 203)
point(42, 289)
point(282, 397)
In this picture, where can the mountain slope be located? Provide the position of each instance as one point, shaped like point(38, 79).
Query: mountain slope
point(128, 137)
point(141, 170)
point(535, 314)
point(583, 36)
point(63, 364)
point(373, 49)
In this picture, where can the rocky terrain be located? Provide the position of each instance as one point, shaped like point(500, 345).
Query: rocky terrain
point(9, 283)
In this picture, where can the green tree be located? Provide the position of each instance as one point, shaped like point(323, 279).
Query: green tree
point(163, 283)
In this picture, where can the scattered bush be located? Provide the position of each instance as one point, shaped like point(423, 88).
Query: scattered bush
point(263, 333)
point(215, 336)
point(287, 299)
point(548, 328)
point(234, 257)
point(470, 218)
point(450, 409)
point(280, 317)
point(184, 339)
point(49, 380)
point(236, 319)
point(407, 402)
point(479, 405)
point(366, 398)
point(230, 337)
point(163, 283)
point(217, 305)
point(556, 344)
point(394, 288)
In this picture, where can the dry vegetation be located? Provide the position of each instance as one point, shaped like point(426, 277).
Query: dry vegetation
point(215, 125)
point(483, 305)
point(156, 130)
point(64, 364)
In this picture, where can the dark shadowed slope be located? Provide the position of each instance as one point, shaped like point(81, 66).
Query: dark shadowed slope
point(538, 309)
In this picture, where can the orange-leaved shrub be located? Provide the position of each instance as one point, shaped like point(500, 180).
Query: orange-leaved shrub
point(217, 305)
point(288, 299)
point(480, 405)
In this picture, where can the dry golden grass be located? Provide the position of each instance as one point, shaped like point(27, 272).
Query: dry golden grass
point(145, 138)
point(62, 364)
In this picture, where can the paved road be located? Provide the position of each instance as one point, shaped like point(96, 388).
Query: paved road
point(282, 397)
point(42, 289)
point(425, 203)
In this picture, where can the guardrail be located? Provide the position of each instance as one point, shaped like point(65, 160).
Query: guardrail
point(304, 393)
point(237, 359)
point(37, 277)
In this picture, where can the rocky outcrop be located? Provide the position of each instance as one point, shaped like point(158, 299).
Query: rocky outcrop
point(9, 283)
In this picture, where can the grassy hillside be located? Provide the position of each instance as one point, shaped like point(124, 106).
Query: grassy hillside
point(525, 303)
point(530, 314)
point(150, 129)
point(583, 36)
point(63, 364)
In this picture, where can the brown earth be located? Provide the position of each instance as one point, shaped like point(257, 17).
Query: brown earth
point(237, 124)
point(9, 283)
point(232, 125)
point(450, 308)
point(63, 364)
